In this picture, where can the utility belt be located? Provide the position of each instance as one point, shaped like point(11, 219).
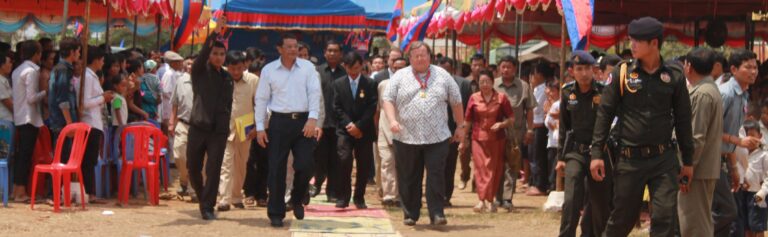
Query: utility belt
point(648, 151)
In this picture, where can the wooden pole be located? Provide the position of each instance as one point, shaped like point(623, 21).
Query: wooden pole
point(64, 19)
point(109, 24)
point(563, 50)
point(482, 38)
point(453, 33)
point(135, 28)
point(696, 33)
point(85, 36)
point(159, 23)
point(173, 24)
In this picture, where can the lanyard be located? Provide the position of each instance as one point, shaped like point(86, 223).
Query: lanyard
point(424, 82)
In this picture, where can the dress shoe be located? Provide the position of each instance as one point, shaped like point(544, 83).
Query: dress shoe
point(507, 205)
point(439, 220)
point(447, 203)
point(261, 202)
point(298, 212)
point(342, 204)
point(361, 205)
point(223, 207)
point(238, 206)
point(313, 191)
point(387, 202)
point(305, 201)
point(462, 185)
point(277, 223)
point(409, 222)
point(332, 199)
point(208, 215)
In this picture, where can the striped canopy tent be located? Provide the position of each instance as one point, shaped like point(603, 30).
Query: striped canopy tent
point(315, 15)
point(611, 18)
point(46, 15)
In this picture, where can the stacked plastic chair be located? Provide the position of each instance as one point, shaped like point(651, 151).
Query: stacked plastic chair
point(142, 135)
point(6, 148)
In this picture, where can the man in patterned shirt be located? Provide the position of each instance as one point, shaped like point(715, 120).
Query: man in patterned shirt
point(417, 97)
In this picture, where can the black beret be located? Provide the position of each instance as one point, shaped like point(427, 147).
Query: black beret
point(645, 28)
point(581, 57)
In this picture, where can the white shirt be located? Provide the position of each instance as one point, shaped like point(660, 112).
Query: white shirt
point(123, 110)
point(541, 97)
point(27, 95)
point(286, 90)
point(93, 100)
point(167, 86)
point(5, 93)
point(423, 120)
point(553, 132)
point(758, 165)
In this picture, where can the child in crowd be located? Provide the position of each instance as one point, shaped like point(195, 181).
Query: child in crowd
point(753, 212)
point(552, 107)
point(119, 104)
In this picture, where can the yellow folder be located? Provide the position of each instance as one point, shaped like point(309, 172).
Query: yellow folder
point(244, 124)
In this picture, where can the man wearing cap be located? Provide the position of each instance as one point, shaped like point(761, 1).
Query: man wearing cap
point(650, 100)
point(577, 121)
point(167, 86)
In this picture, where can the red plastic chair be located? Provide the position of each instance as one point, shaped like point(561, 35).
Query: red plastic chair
point(142, 134)
point(79, 133)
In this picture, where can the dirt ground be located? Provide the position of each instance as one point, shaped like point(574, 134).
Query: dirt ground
point(181, 218)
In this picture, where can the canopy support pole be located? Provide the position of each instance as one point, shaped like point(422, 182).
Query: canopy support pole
point(482, 38)
point(517, 36)
point(446, 42)
point(109, 24)
point(563, 51)
point(173, 26)
point(158, 21)
point(453, 34)
point(135, 28)
point(85, 36)
point(64, 19)
point(696, 34)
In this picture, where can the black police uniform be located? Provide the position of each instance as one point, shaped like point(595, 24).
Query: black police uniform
point(649, 105)
point(577, 115)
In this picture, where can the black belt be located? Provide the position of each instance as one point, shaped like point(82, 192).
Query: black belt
point(582, 147)
point(184, 121)
point(293, 116)
point(645, 151)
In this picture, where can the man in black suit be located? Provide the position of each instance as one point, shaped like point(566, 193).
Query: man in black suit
point(326, 159)
point(394, 54)
point(465, 87)
point(354, 104)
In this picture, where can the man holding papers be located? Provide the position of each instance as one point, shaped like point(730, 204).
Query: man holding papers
point(238, 142)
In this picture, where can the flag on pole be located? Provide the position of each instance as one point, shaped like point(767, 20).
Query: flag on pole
point(419, 29)
point(579, 15)
point(397, 14)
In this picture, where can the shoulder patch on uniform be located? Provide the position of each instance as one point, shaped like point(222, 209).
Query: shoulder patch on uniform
point(567, 85)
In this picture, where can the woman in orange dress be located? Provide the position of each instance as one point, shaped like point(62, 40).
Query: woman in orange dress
point(488, 113)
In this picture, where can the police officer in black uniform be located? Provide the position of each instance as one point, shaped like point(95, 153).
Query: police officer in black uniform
point(578, 109)
point(650, 99)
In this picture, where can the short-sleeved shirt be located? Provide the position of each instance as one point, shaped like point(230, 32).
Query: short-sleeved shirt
point(424, 120)
point(182, 98)
point(520, 97)
point(5, 93)
point(734, 110)
point(121, 105)
point(539, 93)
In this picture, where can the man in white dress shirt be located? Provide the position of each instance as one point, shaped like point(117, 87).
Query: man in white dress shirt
point(290, 89)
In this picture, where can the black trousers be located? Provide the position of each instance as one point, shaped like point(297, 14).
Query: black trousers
point(350, 148)
point(579, 185)
point(22, 160)
point(450, 169)
point(199, 144)
point(327, 162)
point(90, 158)
point(724, 211)
point(285, 136)
point(256, 173)
point(539, 160)
point(411, 161)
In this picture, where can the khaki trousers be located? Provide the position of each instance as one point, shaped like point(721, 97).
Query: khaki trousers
point(233, 171)
point(388, 173)
point(695, 208)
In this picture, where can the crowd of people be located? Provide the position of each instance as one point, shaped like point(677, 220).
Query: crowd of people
point(687, 131)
